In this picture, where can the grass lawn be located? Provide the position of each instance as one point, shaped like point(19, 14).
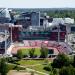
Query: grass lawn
point(26, 51)
point(10, 66)
point(37, 65)
point(14, 67)
point(39, 68)
point(30, 62)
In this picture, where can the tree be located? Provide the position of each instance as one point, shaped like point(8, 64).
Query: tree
point(31, 52)
point(60, 61)
point(3, 67)
point(74, 61)
point(19, 54)
point(44, 52)
point(67, 70)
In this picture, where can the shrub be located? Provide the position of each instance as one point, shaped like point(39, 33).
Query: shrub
point(3, 67)
point(47, 68)
point(60, 61)
point(11, 59)
point(74, 61)
point(67, 70)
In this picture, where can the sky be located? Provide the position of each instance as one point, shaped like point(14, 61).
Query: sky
point(37, 3)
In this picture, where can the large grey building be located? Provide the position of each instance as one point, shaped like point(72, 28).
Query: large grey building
point(28, 19)
point(35, 18)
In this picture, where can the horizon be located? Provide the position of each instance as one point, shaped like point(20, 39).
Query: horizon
point(40, 8)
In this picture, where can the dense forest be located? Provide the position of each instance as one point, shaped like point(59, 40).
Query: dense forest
point(62, 13)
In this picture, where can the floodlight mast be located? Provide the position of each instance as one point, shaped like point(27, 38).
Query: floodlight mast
point(5, 41)
point(11, 35)
point(58, 33)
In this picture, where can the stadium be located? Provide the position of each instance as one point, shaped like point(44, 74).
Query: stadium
point(31, 30)
point(35, 38)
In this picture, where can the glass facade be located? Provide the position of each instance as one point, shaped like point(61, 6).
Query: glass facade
point(34, 35)
point(2, 45)
point(41, 35)
point(73, 29)
point(35, 18)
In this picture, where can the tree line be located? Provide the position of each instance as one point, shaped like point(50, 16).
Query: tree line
point(62, 13)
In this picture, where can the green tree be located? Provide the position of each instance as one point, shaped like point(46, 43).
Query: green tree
point(19, 54)
point(67, 70)
point(44, 52)
point(31, 52)
point(55, 72)
point(60, 61)
point(3, 67)
point(74, 61)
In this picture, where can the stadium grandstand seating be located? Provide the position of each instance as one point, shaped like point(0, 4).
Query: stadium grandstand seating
point(26, 43)
point(60, 47)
